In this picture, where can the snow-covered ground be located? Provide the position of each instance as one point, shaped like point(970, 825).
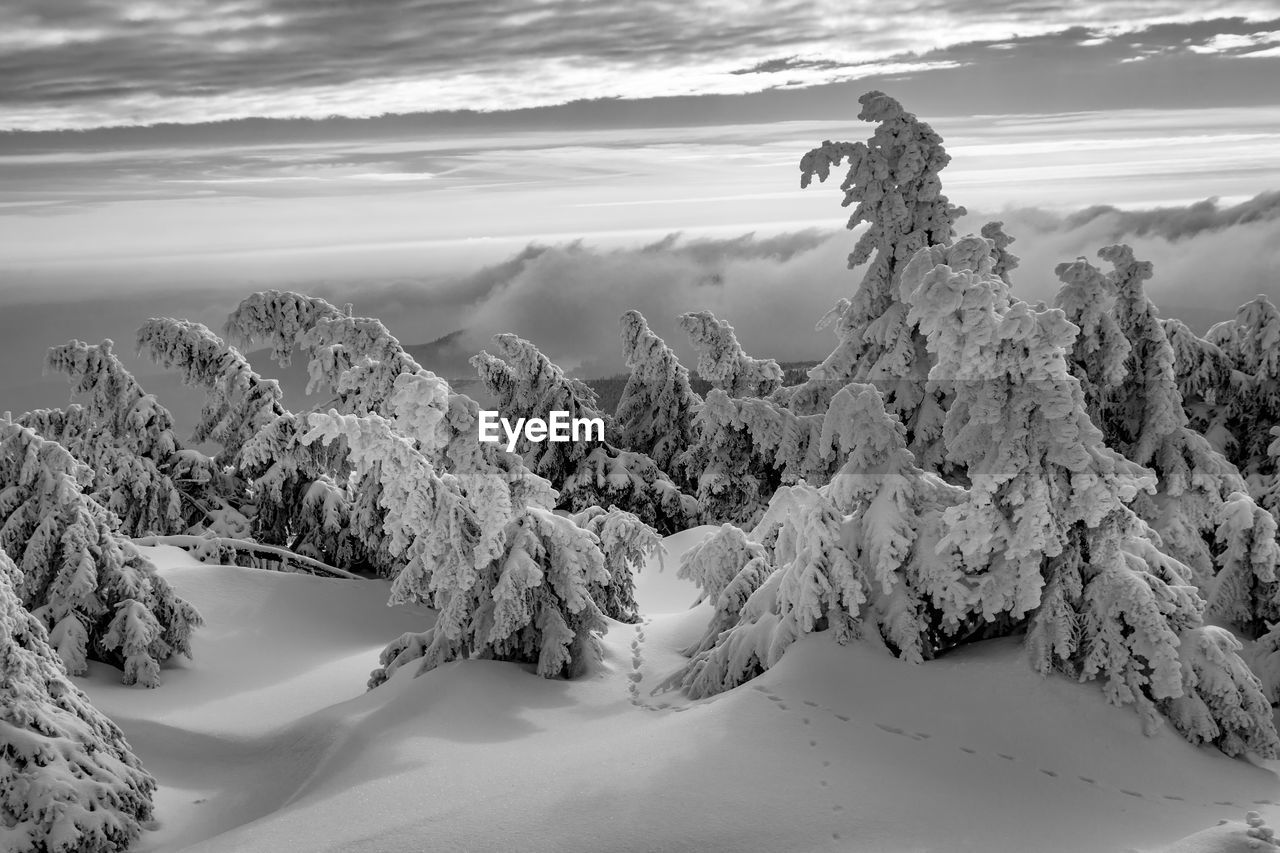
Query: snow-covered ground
point(267, 741)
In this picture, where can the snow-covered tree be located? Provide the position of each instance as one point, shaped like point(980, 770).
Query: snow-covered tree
point(728, 567)
point(518, 591)
point(124, 435)
point(733, 477)
point(626, 543)
point(279, 319)
point(68, 779)
point(861, 548)
point(289, 494)
point(526, 384)
point(238, 401)
point(1003, 261)
point(80, 577)
point(1101, 349)
point(607, 476)
point(655, 413)
point(1127, 368)
point(1207, 380)
point(355, 358)
point(723, 362)
point(893, 183)
point(816, 586)
point(1245, 592)
point(1251, 341)
point(1045, 529)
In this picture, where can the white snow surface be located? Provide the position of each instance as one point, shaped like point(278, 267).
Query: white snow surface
point(267, 741)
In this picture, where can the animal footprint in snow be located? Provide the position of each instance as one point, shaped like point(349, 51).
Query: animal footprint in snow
point(842, 718)
point(893, 730)
point(1127, 792)
point(635, 676)
point(811, 704)
point(1049, 773)
point(968, 750)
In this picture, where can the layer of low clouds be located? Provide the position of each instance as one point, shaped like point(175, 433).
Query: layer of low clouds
point(81, 64)
point(1209, 258)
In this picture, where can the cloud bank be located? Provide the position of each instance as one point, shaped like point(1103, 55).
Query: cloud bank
point(1209, 258)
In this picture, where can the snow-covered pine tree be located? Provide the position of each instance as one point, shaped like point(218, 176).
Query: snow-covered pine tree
point(723, 362)
point(124, 435)
point(521, 593)
point(1207, 380)
point(1003, 261)
point(1045, 530)
point(1101, 349)
point(728, 567)
point(863, 546)
point(69, 779)
point(1142, 416)
point(526, 384)
point(626, 542)
point(1252, 343)
point(278, 318)
point(893, 180)
point(733, 477)
point(77, 571)
point(293, 495)
point(749, 446)
point(1245, 592)
point(358, 360)
point(443, 427)
point(655, 413)
point(815, 587)
point(238, 401)
point(355, 358)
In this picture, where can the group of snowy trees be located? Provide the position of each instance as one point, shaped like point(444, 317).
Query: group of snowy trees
point(963, 465)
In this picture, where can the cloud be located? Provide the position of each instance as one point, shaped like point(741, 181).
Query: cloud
point(1177, 223)
point(80, 64)
point(566, 298)
point(1208, 258)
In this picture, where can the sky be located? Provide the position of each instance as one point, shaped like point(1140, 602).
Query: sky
point(525, 166)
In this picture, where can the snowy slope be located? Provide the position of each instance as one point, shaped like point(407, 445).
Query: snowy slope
point(268, 742)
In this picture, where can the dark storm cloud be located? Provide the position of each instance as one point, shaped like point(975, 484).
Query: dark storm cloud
point(85, 64)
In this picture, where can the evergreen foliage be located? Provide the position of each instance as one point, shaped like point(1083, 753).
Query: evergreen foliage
point(68, 779)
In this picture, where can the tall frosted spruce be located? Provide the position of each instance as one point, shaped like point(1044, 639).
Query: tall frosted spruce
point(894, 187)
